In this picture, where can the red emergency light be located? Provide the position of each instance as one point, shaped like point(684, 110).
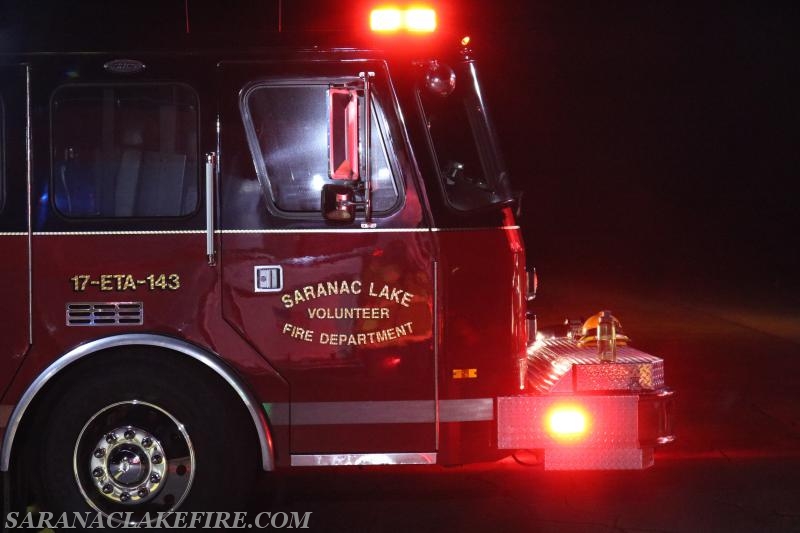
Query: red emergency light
point(413, 19)
point(567, 422)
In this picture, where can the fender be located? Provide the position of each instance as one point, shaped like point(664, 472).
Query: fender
point(209, 359)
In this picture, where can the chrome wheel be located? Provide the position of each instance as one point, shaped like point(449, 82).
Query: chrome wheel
point(135, 457)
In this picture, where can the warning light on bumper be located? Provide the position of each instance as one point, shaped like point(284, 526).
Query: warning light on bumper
point(567, 422)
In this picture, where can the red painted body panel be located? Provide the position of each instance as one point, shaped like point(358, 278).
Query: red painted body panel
point(192, 312)
point(320, 367)
point(14, 296)
point(483, 328)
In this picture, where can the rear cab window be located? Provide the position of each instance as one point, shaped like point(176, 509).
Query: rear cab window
point(125, 150)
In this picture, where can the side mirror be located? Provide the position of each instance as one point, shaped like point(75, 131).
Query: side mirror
point(338, 203)
point(343, 161)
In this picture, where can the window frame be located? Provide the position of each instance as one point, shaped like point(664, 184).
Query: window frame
point(200, 201)
point(379, 112)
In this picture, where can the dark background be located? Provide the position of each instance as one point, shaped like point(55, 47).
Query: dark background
point(655, 141)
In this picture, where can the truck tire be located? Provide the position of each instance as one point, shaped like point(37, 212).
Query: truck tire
point(142, 432)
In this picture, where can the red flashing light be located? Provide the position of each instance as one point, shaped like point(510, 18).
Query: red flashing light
point(567, 422)
point(386, 19)
point(420, 20)
point(413, 19)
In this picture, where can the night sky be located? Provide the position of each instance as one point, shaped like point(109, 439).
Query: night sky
point(654, 140)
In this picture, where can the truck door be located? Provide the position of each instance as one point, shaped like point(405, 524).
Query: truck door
point(14, 272)
point(344, 311)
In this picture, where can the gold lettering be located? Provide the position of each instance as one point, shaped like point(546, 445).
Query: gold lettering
point(287, 301)
point(130, 283)
point(321, 290)
point(106, 282)
point(406, 300)
point(308, 292)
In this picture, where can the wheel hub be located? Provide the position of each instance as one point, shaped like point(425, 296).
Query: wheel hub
point(130, 469)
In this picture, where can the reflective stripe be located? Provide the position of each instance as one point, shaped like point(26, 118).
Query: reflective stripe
point(379, 412)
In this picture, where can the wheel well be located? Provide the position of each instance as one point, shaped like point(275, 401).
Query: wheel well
point(211, 368)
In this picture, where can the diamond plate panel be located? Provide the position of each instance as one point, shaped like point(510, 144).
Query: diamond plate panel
point(597, 459)
point(561, 365)
point(613, 421)
point(619, 376)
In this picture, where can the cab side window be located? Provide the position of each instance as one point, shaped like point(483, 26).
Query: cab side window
point(287, 126)
point(125, 151)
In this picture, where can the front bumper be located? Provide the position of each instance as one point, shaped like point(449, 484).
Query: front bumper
point(626, 408)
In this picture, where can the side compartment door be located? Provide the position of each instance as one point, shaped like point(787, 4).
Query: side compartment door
point(14, 255)
point(343, 310)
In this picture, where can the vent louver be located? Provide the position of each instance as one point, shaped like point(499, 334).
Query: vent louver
point(105, 314)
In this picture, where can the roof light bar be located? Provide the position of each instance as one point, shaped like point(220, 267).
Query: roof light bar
point(414, 19)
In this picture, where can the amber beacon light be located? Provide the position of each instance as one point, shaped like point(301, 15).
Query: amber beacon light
point(413, 19)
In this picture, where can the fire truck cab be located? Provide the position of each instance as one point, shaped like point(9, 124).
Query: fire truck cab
point(219, 260)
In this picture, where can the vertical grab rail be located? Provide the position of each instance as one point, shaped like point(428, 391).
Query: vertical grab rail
point(210, 170)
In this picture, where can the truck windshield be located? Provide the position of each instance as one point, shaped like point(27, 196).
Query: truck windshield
point(468, 162)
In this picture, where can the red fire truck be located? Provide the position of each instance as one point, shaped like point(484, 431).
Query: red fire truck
point(220, 260)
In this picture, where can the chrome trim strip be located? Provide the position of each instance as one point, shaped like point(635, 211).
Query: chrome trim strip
point(365, 459)
point(259, 231)
point(14, 234)
point(98, 233)
point(379, 412)
point(29, 180)
point(503, 228)
point(339, 231)
point(141, 339)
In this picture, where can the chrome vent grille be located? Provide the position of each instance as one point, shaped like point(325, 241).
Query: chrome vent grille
point(105, 314)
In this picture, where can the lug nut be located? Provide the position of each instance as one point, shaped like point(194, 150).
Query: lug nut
point(129, 434)
point(124, 497)
point(147, 442)
point(99, 452)
point(111, 437)
point(154, 477)
point(157, 459)
point(98, 472)
point(142, 492)
point(108, 489)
